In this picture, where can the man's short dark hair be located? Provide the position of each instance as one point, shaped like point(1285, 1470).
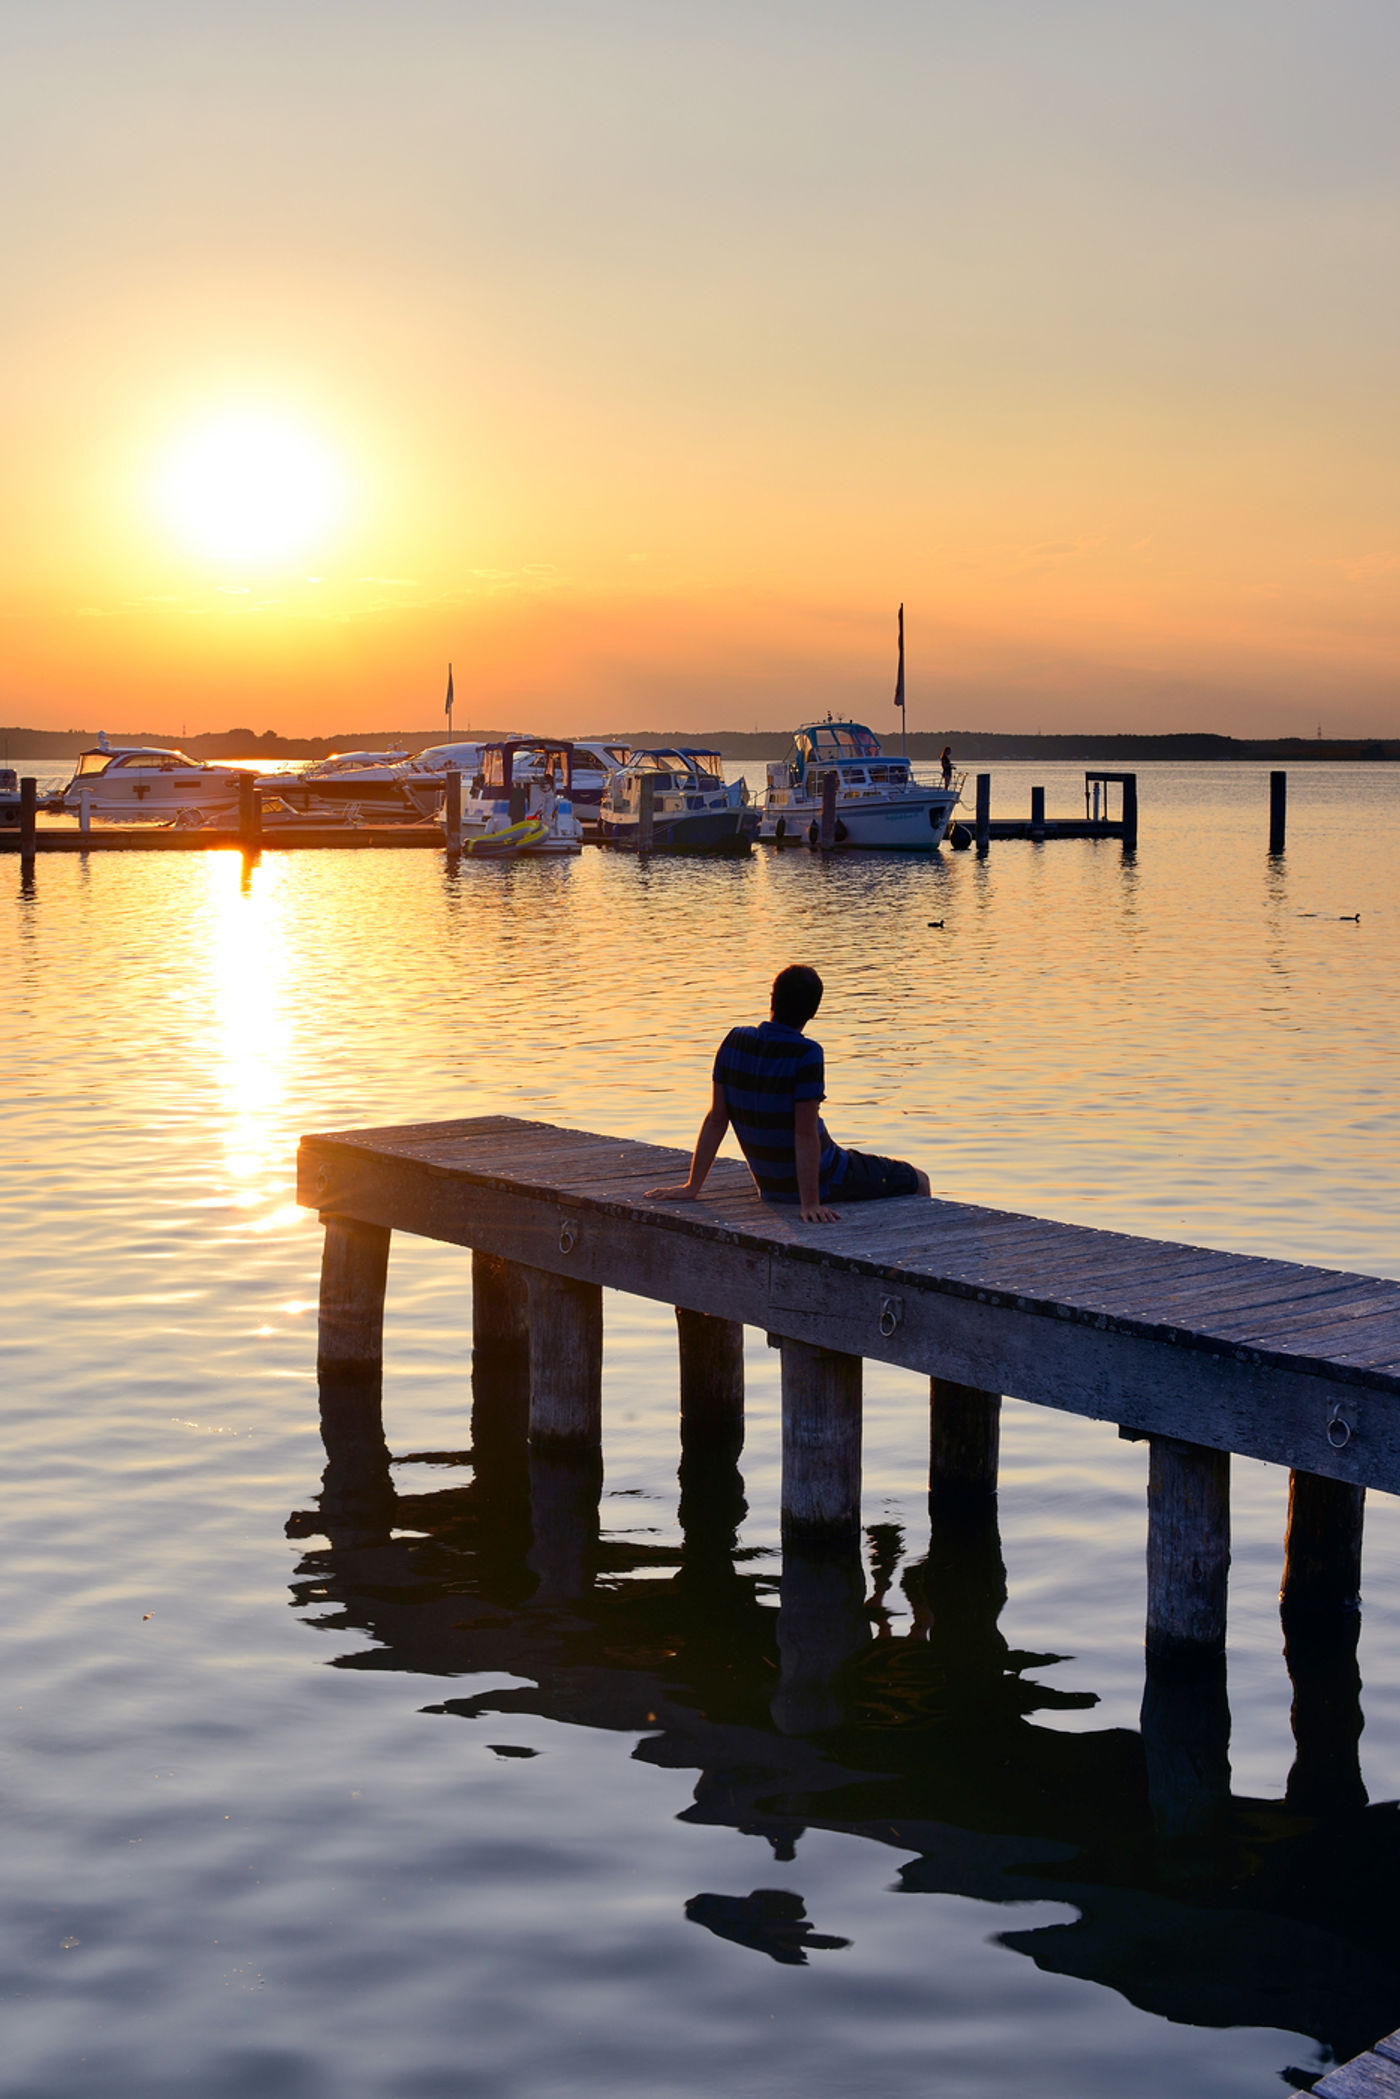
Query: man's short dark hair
point(797, 993)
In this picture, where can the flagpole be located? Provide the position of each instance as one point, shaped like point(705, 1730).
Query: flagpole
point(448, 709)
point(899, 691)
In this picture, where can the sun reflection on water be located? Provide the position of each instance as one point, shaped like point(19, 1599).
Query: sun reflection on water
point(251, 960)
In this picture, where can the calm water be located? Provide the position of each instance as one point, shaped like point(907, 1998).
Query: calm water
point(343, 1817)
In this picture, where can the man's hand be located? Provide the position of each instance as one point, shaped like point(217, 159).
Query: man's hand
point(685, 1194)
point(817, 1214)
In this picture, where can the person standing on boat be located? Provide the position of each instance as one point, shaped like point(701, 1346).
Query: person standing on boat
point(769, 1082)
point(947, 763)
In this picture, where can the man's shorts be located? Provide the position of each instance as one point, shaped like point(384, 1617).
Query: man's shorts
point(869, 1178)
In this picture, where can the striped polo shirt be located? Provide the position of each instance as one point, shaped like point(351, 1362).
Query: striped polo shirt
point(765, 1071)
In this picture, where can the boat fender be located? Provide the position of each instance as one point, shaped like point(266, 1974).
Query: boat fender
point(841, 834)
point(814, 833)
point(780, 828)
point(960, 838)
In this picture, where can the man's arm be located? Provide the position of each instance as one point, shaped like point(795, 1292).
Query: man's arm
point(711, 1137)
point(807, 1145)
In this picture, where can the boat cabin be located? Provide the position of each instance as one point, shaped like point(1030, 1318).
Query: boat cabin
point(848, 749)
point(102, 762)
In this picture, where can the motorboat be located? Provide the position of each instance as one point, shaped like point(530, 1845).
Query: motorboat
point(519, 779)
point(693, 808)
point(372, 782)
point(880, 806)
point(596, 759)
point(424, 778)
point(146, 783)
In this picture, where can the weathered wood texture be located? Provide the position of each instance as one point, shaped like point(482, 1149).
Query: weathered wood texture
point(821, 1440)
point(1322, 1551)
point(1297, 1365)
point(964, 1442)
point(1372, 2076)
point(566, 1360)
point(354, 1268)
point(1188, 1548)
point(712, 1383)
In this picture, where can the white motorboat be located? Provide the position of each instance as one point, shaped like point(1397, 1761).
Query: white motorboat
point(596, 759)
point(371, 781)
point(424, 778)
point(518, 779)
point(145, 783)
point(693, 808)
point(880, 806)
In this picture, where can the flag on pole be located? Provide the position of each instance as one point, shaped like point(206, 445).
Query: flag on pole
point(899, 681)
point(447, 710)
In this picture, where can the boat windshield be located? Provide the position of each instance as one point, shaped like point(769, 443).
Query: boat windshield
point(708, 763)
point(828, 740)
point(93, 762)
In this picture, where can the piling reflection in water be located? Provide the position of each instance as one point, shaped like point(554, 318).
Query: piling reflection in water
point(1194, 1903)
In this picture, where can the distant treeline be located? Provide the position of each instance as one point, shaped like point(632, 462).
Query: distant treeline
point(970, 746)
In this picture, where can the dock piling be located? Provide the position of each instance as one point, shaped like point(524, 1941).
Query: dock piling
point(85, 811)
point(964, 1442)
point(1322, 1547)
point(566, 1361)
point(821, 1440)
point(826, 830)
point(984, 813)
point(1037, 812)
point(1278, 811)
point(452, 809)
point(712, 1384)
point(1320, 1606)
point(646, 812)
point(249, 814)
point(28, 810)
point(1130, 812)
point(1188, 1548)
point(354, 1271)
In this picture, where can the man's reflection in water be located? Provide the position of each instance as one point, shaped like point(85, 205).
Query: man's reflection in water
point(823, 1714)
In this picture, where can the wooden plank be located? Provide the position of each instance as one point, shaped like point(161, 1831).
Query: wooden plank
point(1364, 2077)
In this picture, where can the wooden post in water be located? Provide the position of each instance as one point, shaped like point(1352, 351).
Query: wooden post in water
point(1188, 1548)
point(1037, 812)
point(964, 1442)
point(1130, 811)
point(821, 1441)
point(984, 811)
point(1320, 1605)
point(354, 1269)
point(646, 812)
point(712, 1385)
point(249, 813)
point(1278, 811)
point(28, 813)
point(85, 810)
point(826, 830)
point(452, 809)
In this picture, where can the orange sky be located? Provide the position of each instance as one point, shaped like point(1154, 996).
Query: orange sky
point(649, 356)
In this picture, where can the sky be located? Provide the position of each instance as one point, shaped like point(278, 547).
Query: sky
point(641, 359)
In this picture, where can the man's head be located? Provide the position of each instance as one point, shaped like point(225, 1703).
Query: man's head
point(797, 993)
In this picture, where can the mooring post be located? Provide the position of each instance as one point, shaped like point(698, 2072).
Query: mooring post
point(984, 811)
point(1130, 810)
point(452, 810)
point(85, 810)
point(964, 1444)
point(821, 1441)
point(1278, 811)
point(28, 812)
point(826, 830)
point(646, 812)
point(566, 1362)
point(1322, 1549)
point(354, 1269)
point(1037, 812)
point(1188, 1548)
point(712, 1384)
point(249, 813)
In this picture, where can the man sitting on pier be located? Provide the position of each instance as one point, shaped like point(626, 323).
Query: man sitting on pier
point(769, 1082)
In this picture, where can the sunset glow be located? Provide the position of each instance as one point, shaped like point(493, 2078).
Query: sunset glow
point(250, 486)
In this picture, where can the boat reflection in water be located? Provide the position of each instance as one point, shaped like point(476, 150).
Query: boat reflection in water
point(1196, 1904)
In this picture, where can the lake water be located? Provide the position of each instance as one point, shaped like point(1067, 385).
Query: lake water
point(311, 1816)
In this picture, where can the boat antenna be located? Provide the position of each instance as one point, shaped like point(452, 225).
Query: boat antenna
point(899, 690)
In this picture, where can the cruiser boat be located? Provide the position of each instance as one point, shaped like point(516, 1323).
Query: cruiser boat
point(424, 778)
point(371, 781)
point(519, 779)
point(694, 809)
point(144, 783)
point(879, 804)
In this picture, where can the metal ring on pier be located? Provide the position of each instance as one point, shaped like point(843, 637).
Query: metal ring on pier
point(568, 1236)
point(1339, 1429)
point(891, 1314)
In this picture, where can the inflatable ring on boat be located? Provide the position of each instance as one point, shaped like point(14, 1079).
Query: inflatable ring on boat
point(513, 839)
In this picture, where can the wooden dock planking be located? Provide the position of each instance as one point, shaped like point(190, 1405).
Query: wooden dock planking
point(1165, 1339)
point(1375, 2075)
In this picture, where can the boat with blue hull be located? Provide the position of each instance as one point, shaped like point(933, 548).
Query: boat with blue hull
point(693, 808)
point(880, 806)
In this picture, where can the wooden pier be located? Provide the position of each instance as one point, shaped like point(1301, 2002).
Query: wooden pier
point(202, 838)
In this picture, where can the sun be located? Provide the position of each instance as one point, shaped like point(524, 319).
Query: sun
point(252, 486)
